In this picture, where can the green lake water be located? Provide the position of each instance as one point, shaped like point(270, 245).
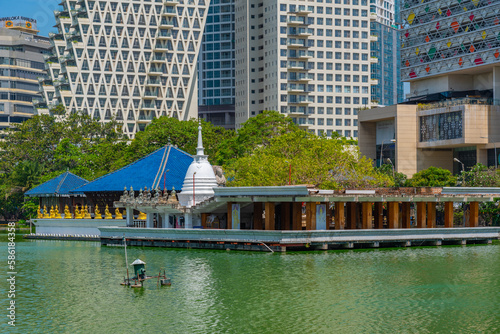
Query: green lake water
point(73, 287)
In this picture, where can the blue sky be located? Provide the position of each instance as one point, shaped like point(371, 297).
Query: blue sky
point(40, 10)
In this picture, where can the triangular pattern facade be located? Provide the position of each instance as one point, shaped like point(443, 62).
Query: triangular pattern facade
point(448, 35)
point(133, 60)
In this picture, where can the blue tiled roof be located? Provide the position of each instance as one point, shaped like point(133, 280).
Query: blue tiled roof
point(60, 185)
point(149, 171)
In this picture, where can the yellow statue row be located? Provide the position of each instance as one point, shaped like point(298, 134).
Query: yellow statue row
point(79, 214)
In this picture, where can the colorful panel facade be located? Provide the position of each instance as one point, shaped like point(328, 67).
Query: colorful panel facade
point(446, 36)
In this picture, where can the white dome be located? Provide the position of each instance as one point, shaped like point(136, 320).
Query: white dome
point(204, 178)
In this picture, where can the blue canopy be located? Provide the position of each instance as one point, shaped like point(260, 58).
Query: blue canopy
point(168, 163)
point(58, 186)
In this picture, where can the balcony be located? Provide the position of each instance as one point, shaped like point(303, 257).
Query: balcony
point(169, 12)
point(150, 95)
point(302, 77)
point(373, 81)
point(373, 38)
point(146, 105)
point(155, 71)
point(158, 59)
point(171, 2)
point(373, 16)
point(292, 66)
point(457, 102)
point(302, 10)
point(299, 102)
point(161, 47)
point(297, 43)
point(294, 21)
point(373, 60)
point(164, 35)
point(297, 89)
point(301, 54)
point(166, 24)
point(153, 83)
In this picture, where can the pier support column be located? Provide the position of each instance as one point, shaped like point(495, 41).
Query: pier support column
point(204, 220)
point(270, 223)
point(473, 214)
point(310, 216)
point(393, 214)
point(448, 214)
point(405, 211)
point(339, 216)
point(257, 216)
point(229, 222)
point(130, 216)
point(188, 220)
point(285, 216)
point(379, 215)
point(367, 215)
point(297, 216)
point(149, 220)
point(351, 216)
point(420, 216)
point(431, 215)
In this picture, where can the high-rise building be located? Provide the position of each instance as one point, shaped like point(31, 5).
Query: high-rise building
point(216, 65)
point(133, 60)
point(21, 65)
point(309, 60)
point(385, 47)
point(451, 58)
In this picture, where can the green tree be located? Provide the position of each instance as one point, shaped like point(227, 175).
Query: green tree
point(480, 176)
point(432, 177)
point(326, 163)
point(399, 179)
point(183, 134)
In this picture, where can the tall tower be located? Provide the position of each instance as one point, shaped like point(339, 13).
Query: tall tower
point(308, 60)
point(21, 68)
point(216, 66)
point(385, 53)
point(133, 60)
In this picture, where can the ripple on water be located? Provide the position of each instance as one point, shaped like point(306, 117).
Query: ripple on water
point(74, 287)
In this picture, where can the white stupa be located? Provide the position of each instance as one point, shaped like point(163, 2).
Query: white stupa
point(204, 178)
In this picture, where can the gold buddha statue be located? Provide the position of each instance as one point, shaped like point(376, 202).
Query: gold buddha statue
point(52, 212)
point(39, 213)
point(142, 216)
point(67, 213)
point(107, 214)
point(86, 214)
point(57, 215)
point(78, 215)
point(97, 213)
point(118, 214)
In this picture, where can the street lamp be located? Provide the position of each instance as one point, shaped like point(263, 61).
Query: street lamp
point(463, 169)
point(382, 150)
point(495, 148)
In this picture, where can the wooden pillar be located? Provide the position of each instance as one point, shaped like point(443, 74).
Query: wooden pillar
point(339, 216)
point(351, 216)
point(367, 215)
point(421, 215)
point(229, 221)
point(270, 216)
point(448, 214)
point(378, 215)
point(257, 216)
point(310, 216)
point(329, 216)
point(393, 214)
point(297, 216)
point(473, 214)
point(285, 216)
point(203, 220)
point(405, 211)
point(431, 215)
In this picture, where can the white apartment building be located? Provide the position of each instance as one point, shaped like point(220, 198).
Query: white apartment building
point(133, 60)
point(310, 60)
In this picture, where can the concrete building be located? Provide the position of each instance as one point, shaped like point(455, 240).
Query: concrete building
point(310, 61)
point(450, 57)
point(216, 66)
point(21, 67)
point(133, 60)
